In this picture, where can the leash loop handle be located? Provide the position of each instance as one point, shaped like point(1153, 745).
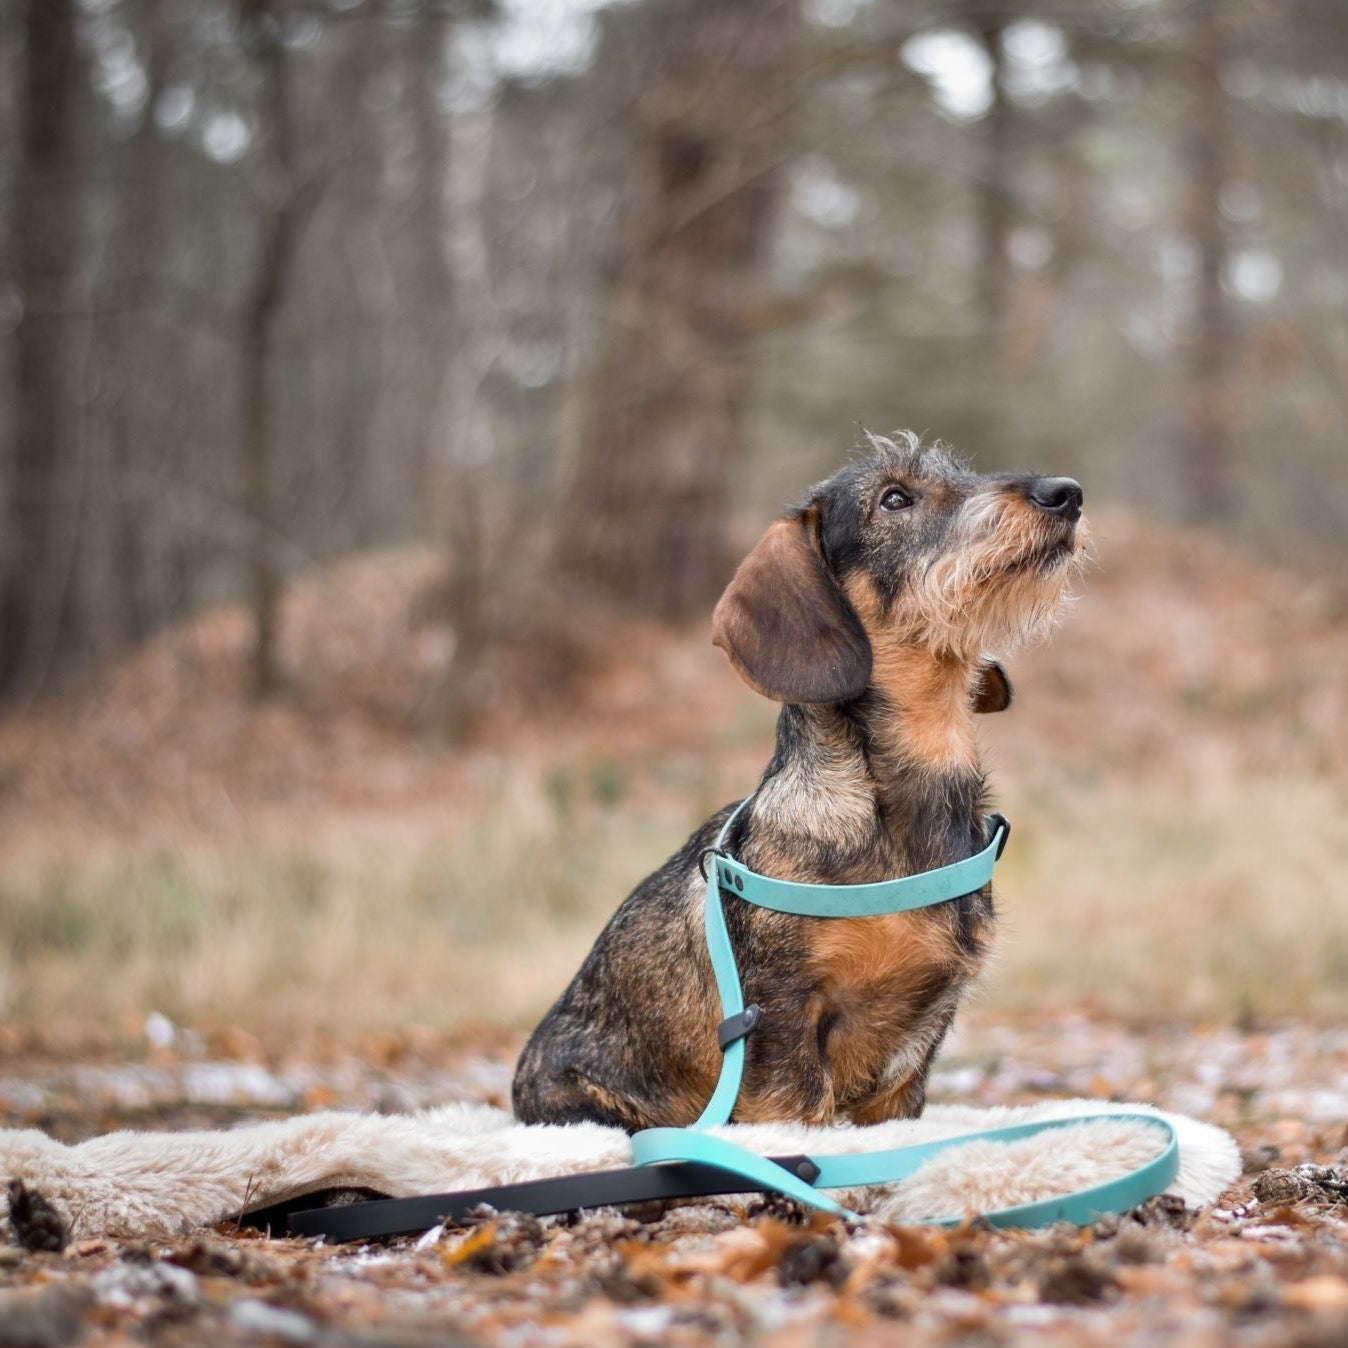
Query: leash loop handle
point(857, 1170)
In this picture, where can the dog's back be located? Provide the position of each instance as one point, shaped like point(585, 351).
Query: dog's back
point(617, 1046)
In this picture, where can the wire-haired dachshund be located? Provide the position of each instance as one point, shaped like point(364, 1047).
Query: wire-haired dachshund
point(871, 613)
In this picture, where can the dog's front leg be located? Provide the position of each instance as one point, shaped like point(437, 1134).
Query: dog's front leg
point(900, 1099)
point(903, 1095)
point(787, 1074)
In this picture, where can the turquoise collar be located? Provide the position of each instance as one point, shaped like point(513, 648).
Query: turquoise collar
point(900, 895)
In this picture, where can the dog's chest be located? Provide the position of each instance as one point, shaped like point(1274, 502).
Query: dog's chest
point(884, 986)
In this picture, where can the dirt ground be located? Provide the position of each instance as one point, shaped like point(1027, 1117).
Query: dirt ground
point(1267, 1265)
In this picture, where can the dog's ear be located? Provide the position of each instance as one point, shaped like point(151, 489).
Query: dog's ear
point(786, 626)
point(993, 689)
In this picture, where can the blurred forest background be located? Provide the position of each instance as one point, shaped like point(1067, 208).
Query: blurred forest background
point(388, 387)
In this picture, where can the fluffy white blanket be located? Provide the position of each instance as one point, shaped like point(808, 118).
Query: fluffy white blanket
point(134, 1184)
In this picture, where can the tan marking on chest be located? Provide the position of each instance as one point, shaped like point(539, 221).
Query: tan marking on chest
point(931, 694)
point(856, 952)
point(878, 978)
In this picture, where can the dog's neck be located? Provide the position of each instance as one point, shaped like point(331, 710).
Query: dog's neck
point(919, 712)
point(887, 785)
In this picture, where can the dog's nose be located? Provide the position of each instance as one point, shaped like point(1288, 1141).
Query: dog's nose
point(1058, 495)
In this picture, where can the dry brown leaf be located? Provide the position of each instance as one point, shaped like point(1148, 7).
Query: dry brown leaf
point(474, 1243)
point(917, 1245)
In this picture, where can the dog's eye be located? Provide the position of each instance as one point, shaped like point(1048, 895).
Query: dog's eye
point(895, 498)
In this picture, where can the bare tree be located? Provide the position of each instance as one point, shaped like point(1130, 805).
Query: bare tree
point(994, 184)
point(278, 234)
point(140, 240)
point(35, 602)
point(1207, 458)
point(715, 83)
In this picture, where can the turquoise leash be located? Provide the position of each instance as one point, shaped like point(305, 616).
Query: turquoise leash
point(682, 1163)
point(905, 894)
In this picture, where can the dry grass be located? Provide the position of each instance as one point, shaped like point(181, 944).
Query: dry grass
point(1175, 767)
point(358, 931)
point(1164, 904)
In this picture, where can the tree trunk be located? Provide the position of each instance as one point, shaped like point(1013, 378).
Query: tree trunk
point(278, 235)
point(666, 410)
point(36, 628)
point(1208, 433)
point(994, 185)
point(141, 240)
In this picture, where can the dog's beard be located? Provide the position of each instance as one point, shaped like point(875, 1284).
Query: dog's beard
point(1003, 583)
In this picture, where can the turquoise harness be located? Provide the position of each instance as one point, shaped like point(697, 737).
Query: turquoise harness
point(656, 1145)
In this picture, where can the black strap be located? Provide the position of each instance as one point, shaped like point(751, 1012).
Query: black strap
point(567, 1193)
point(737, 1026)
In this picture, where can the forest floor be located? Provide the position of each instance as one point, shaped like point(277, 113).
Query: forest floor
point(213, 910)
point(1267, 1266)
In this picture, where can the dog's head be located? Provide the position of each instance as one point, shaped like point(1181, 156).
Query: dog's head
point(904, 549)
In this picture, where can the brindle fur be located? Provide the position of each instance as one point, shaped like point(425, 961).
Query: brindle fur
point(871, 625)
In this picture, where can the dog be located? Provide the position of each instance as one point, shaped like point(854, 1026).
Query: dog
point(872, 613)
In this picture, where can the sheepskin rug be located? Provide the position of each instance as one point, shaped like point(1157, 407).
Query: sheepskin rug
point(141, 1185)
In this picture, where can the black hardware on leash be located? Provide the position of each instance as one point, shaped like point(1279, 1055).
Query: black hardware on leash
point(384, 1217)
